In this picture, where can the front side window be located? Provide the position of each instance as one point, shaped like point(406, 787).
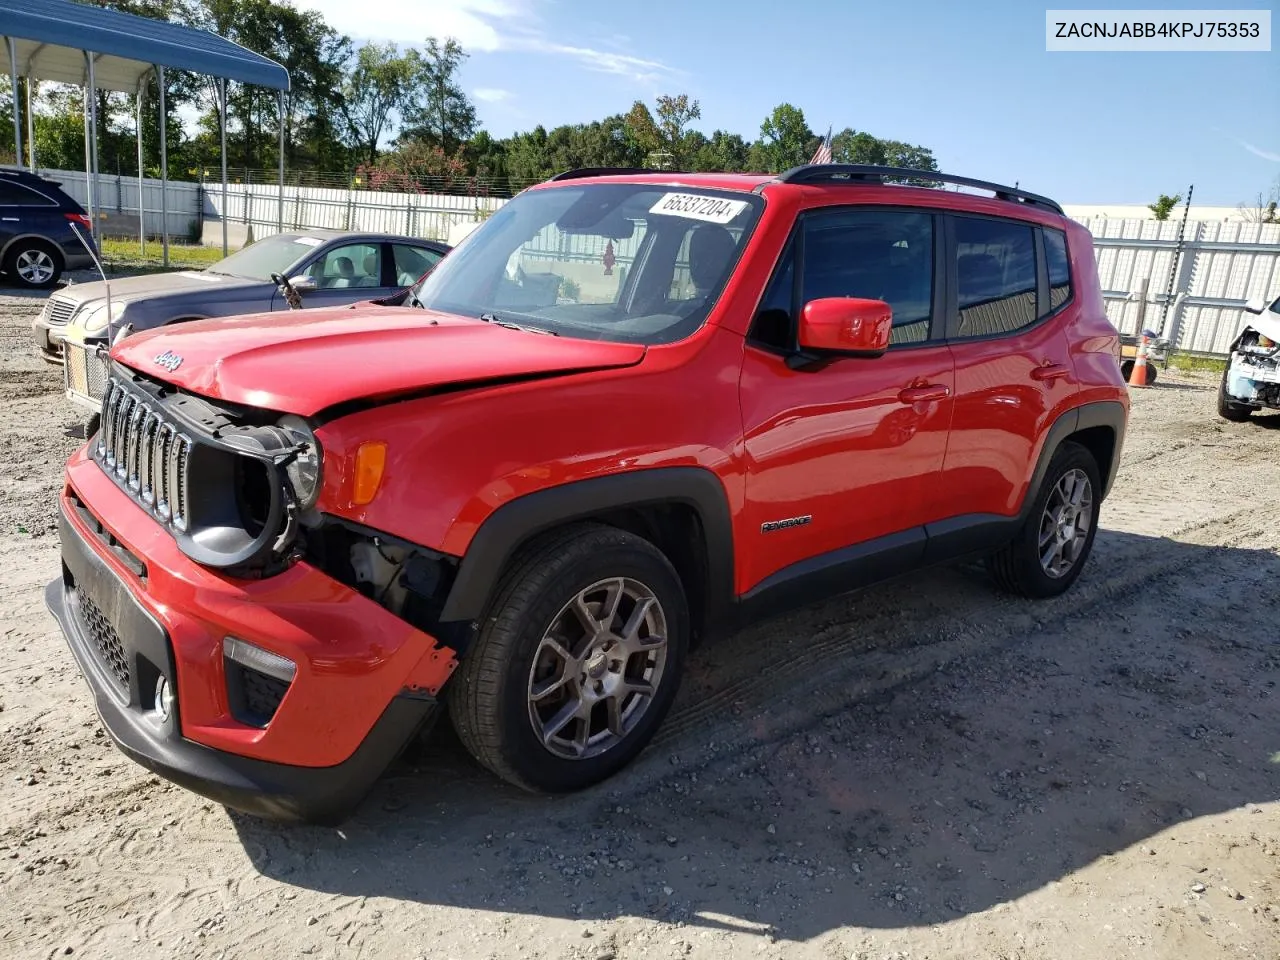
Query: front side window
point(877, 254)
point(995, 276)
point(634, 263)
point(351, 265)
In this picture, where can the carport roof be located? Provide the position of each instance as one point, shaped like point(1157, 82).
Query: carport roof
point(51, 36)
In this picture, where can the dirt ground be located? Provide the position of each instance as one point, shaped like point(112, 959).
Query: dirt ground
point(929, 770)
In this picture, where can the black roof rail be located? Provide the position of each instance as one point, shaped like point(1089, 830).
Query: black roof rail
point(870, 173)
point(583, 172)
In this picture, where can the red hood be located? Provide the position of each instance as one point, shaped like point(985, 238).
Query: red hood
point(306, 360)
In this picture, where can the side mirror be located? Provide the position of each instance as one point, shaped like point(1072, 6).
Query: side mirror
point(846, 326)
point(1259, 305)
point(303, 282)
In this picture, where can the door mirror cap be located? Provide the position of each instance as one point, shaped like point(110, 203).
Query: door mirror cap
point(303, 282)
point(846, 326)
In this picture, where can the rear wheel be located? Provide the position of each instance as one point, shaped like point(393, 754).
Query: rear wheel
point(1230, 409)
point(1050, 550)
point(33, 264)
point(577, 661)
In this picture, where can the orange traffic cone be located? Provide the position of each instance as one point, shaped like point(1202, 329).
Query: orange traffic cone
point(1138, 375)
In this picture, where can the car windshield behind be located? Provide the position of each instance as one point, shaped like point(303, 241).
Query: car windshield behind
point(637, 263)
point(259, 260)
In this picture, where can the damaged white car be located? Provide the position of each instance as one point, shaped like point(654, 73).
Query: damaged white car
point(1252, 378)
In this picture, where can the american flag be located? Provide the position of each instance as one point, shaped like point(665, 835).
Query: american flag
point(823, 153)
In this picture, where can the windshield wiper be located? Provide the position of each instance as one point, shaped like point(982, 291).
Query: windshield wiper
point(495, 319)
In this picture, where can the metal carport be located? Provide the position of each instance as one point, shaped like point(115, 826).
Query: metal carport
point(96, 48)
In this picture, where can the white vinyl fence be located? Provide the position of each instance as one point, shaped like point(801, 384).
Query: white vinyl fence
point(1215, 269)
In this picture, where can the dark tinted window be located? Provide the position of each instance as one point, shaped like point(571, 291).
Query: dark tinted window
point(412, 263)
point(772, 326)
point(1055, 254)
point(995, 276)
point(15, 194)
point(878, 254)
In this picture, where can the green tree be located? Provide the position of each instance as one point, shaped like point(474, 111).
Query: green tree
point(440, 114)
point(724, 153)
point(1164, 205)
point(785, 140)
point(379, 86)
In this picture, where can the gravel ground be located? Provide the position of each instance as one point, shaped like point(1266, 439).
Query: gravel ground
point(928, 770)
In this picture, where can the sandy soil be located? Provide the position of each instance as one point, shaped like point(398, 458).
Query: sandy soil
point(930, 770)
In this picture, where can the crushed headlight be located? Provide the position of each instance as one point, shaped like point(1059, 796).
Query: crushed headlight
point(303, 471)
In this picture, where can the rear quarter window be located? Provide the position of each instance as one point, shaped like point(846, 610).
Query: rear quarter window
point(1055, 254)
point(19, 195)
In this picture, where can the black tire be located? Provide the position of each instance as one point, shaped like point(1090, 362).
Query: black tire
point(1151, 374)
point(1229, 409)
point(1126, 369)
point(1017, 568)
point(91, 425)
point(33, 264)
point(489, 696)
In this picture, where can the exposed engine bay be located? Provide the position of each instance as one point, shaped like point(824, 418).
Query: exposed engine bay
point(1253, 374)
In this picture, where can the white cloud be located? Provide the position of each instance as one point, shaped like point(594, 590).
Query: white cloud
point(1258, 152)
point(605, 61)
point(491, 94)
point(471, 22)
point(480, 26)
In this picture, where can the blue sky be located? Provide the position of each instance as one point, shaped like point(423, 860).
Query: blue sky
point(971, 81)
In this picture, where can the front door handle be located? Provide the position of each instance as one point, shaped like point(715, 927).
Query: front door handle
point(926, 393)
point(1050, 371)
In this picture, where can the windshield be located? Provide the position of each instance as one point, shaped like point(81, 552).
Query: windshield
point(634, 263)
point(259, 260)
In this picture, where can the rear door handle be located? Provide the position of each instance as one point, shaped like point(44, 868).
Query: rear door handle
point(1050, 371)
point(927, 393)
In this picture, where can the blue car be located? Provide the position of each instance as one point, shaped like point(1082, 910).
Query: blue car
point(36, 240)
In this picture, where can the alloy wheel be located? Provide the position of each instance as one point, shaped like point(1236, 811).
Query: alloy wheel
point(35, 266)
point(1065, 523)
point(597, 668)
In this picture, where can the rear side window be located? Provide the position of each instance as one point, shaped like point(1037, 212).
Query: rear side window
point(17, 195)
point(995, 276)
point(1055, 254)
point(412, 263)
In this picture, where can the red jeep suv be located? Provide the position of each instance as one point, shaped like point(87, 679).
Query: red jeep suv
point(628, 411)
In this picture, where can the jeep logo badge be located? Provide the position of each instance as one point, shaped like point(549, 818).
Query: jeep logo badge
point(169, 360)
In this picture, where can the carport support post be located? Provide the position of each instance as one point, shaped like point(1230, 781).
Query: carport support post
point(17, 102)
point(142, 212)
point(164, 167)
point(280, 203)
point(31, 123)
point(222, 132)
point(91, 145)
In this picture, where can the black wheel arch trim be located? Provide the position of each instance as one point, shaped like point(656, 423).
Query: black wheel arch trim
point(1098, 413)
point(515, 522)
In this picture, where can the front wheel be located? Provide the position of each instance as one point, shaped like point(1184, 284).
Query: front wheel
point(576, 662)
point(1229, 409)
point(1047, 555)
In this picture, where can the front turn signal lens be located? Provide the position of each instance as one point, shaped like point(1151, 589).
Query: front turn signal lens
point(371, 460)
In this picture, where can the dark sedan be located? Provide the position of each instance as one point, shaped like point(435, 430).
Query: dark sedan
point(326, 268)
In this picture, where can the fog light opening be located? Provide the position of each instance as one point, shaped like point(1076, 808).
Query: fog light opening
point(164, 698)
point(255, 658)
